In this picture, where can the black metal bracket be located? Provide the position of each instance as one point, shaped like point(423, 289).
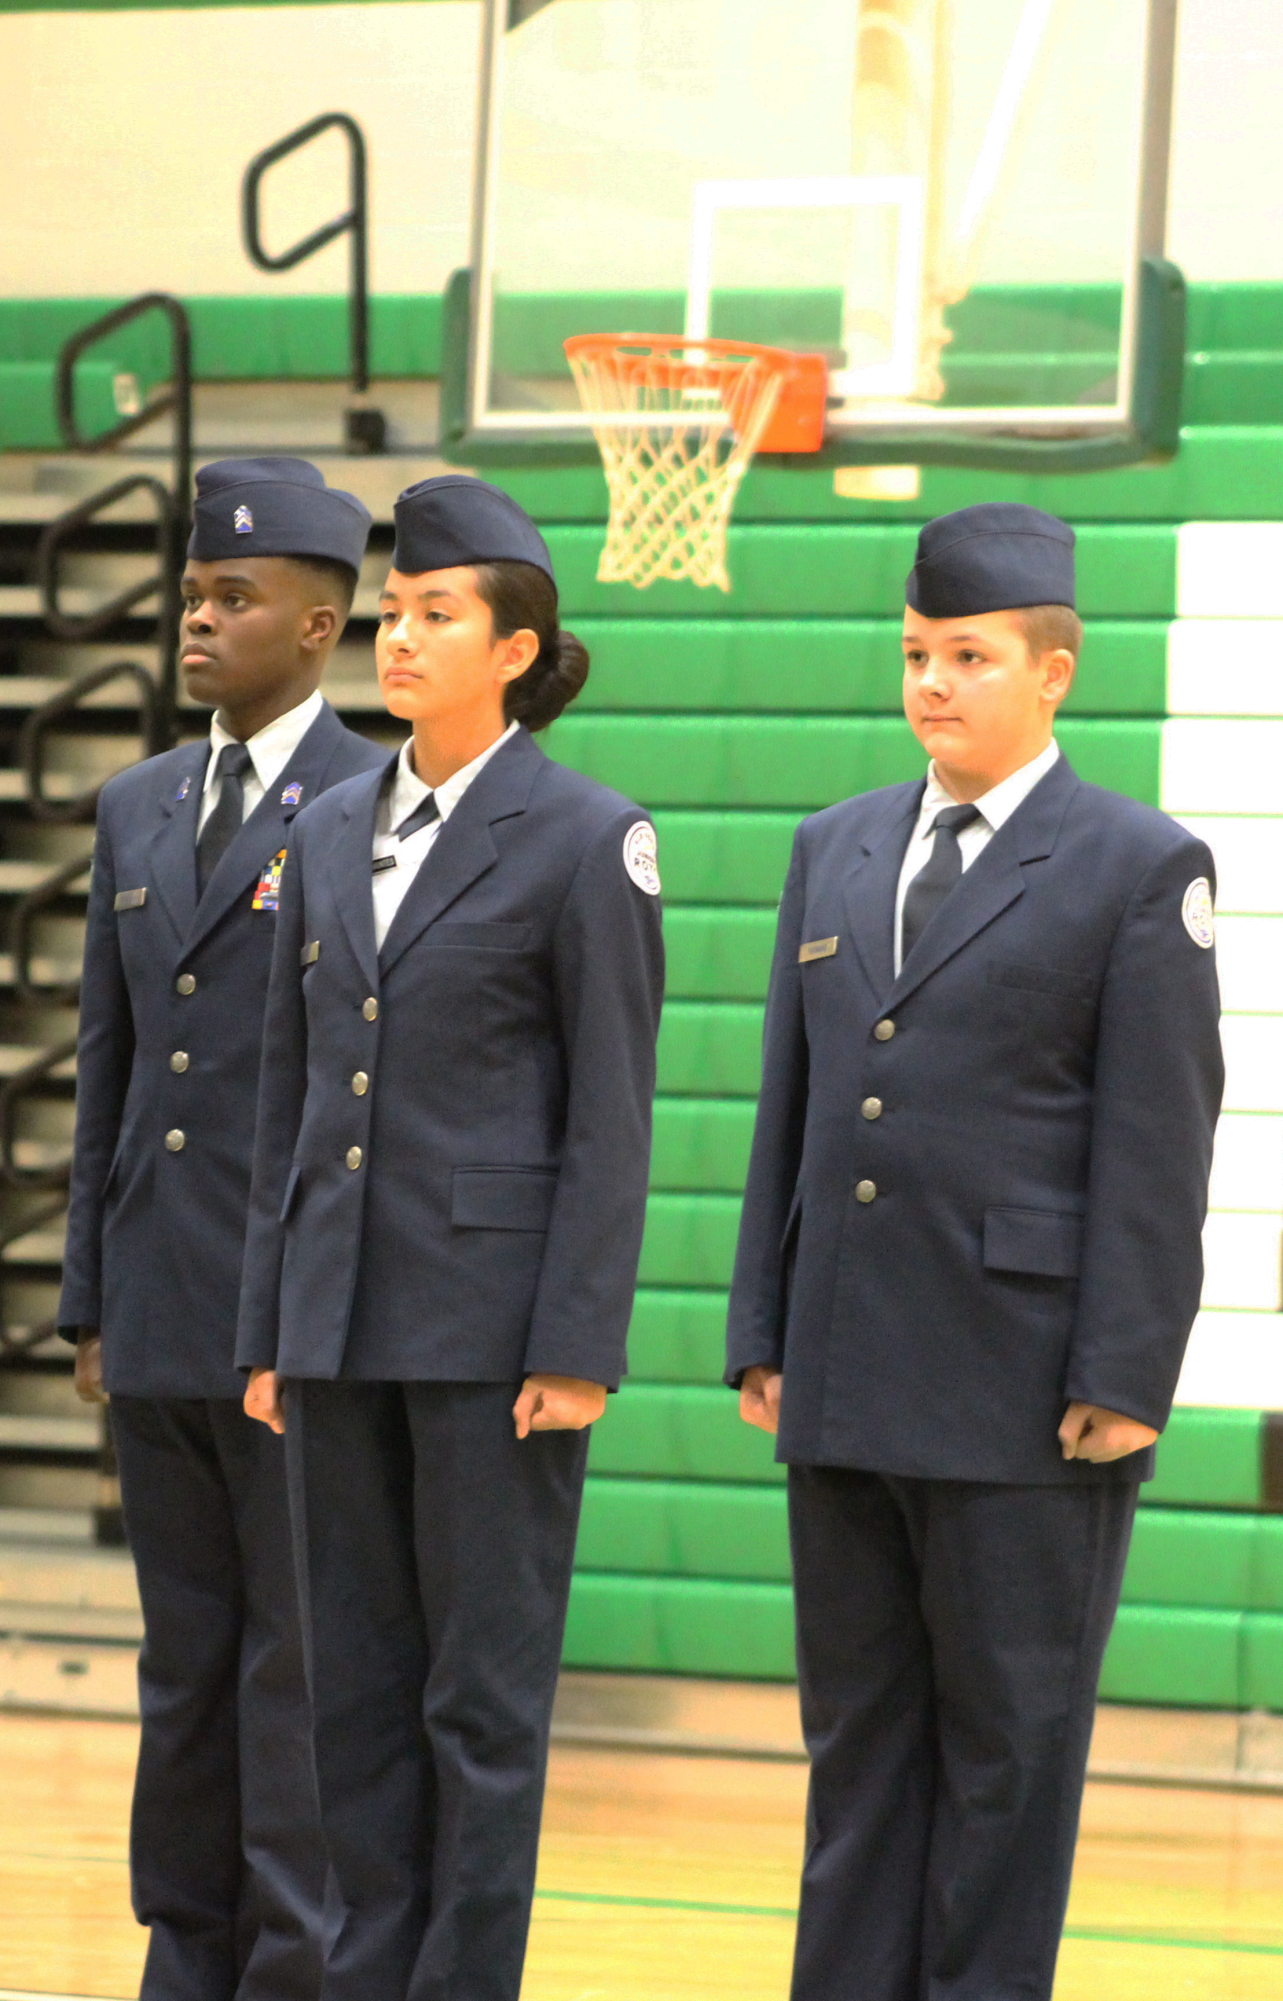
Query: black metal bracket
point(366, 428)
point(39, 721)
point(164, 584)
point(13, 1091)
point(178, 397)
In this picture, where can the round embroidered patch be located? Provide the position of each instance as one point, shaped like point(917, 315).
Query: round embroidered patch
point(641, 857)
point(1196, 913)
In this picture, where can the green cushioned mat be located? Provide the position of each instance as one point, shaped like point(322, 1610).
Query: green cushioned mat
point(681, 1432)
point(1209, 1459)
point(710, 1047)
point(701, 1143)
point(28, 419)
point(841, 666)
point(677, 1335)
point(689, 1240)
point(677, 1625)
point(808, 762)
point(684, 1529)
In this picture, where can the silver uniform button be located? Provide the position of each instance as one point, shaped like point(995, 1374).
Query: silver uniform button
point(866, 1191)
point(872, 1108)
point(360, 1084)
point(179, 1061)
point(884, 1030)
point(354, 1157)
point(175, 1140)
point(186, 983)
point(370, 1009)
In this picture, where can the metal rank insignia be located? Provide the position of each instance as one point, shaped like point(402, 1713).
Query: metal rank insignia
point(291, 795)
point(183, 790)
point(267, 893)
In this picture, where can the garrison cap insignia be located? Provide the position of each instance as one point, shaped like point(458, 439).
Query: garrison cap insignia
point(291, 795)
point(183, 790)
point(1196, 912)
point(641, 857)
point(816, 948)
point(243, 521)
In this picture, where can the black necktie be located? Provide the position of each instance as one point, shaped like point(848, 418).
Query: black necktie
point(224, 823)
point(932, 884)
point(423, 815)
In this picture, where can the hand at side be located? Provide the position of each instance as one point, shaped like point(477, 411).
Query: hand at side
point(1089, 1431)
point(557, 1403)
point(89, 1367)
point(263, 1398)
point(760, 1397)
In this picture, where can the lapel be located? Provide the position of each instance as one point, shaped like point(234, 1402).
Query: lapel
point(264, 834)
point(994, 880)
point(870, 887)
point(172, 851)
point(465, 848)
point(349, 862)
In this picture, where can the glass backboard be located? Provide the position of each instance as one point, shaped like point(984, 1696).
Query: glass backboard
point(952, 200)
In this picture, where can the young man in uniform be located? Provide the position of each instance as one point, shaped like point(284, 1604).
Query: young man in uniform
point(228, 1863)
point(968, 1266)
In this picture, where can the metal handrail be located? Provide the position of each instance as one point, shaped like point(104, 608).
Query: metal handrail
point(366, 430)
point(15, 1088)
point(36, 724)
point(34, 992)
point(12, 1343)
point(164, 584)
point(178, 397)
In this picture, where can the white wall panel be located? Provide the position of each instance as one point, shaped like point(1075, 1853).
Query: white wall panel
point(1249, 860)
point(1234, 1360)
point(1253, 1046)
point(1249, 960)
point(1210, 766)
point(1225, 667)
point(1229, 569)
point(1241, 1262)
point(1247, 1164)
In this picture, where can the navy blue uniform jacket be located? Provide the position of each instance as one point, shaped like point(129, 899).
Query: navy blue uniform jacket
point(1048, 1092)
point(154, 1236)
point(476, 1212)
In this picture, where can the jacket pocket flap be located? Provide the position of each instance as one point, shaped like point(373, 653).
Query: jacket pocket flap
point(494, 937)
point(1046, 1242)
point(502, 1198)
point(1042, 980)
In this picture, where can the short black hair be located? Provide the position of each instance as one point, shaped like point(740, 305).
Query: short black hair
point(523, 597)
point(336, 579)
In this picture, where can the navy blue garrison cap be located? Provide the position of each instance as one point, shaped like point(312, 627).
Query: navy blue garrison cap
point(455, 519)
point(996, 557)
point(274, 507)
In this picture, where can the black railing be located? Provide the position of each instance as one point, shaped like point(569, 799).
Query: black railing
point(153, 727)
point(366, 429)
point(176, 398)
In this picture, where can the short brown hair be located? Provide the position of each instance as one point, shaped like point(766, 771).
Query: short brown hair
point(1050, 628)
point(523, 597)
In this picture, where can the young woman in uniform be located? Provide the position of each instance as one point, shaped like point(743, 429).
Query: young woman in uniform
point(449, 1192)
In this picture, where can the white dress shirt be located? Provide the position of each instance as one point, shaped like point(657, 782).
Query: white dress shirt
point(270, 751)
point(994, 809)
point(405, 793)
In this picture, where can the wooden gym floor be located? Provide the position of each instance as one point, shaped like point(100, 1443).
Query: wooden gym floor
point(670, 1878)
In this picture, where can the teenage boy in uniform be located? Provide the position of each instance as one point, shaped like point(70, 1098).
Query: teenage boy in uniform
point(227, 1858)
point(968, 1265)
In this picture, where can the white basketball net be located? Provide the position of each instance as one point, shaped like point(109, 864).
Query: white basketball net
point(677, 423)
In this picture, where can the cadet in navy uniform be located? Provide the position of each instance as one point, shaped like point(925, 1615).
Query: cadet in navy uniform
point(228, 1860)
point(449, 1191)
point(967, 1269)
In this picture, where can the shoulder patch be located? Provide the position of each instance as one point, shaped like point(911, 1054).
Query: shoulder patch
point(641, 857)
point(1196, 912)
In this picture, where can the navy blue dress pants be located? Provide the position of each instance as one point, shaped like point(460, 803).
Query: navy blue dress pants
point(950, 1636)
point(435, 1553)
point(226, 1852)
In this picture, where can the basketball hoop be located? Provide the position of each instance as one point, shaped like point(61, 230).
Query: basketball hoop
point(677, 421)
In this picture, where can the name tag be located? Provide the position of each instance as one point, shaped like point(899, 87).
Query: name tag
point(130, 899)
point(818, 948)
point(384, 863)
point(310, 953)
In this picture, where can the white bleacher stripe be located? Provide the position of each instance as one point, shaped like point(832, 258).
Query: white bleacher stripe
point(1241, 1258)
point(1253, 1046)
point(1247, 1164)
point(1234, 1360)
point(1229, 569)
point(1249, 960)
point(1249, 860)
point(1210, 765)
point(1225, 667)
